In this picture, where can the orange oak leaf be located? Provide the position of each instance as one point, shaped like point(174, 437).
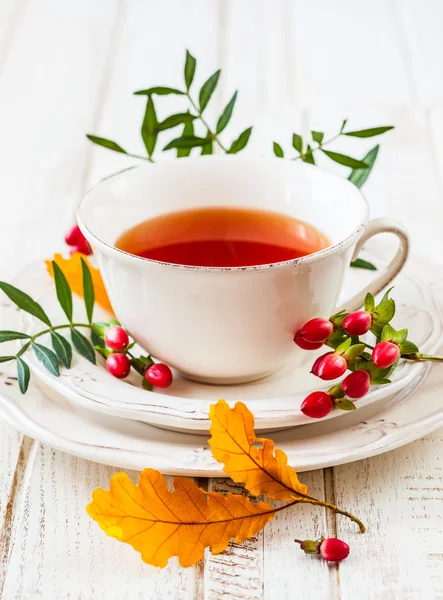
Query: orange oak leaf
point(263, 470)
point(72, 269)
point(161, 524)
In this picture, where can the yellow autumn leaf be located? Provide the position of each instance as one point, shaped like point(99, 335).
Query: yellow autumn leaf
point(72, 268)
point(263, 470)
point(161, 524)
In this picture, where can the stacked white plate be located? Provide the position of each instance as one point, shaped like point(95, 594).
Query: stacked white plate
point(88, 413)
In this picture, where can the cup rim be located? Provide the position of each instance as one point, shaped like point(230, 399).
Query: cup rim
point(94, 240)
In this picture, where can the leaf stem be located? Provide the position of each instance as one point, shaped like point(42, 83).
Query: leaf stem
point(200, 116)
point(319, 147)
point(334, 509)
point(148, 158)
point(422, 357)
point(44, 331)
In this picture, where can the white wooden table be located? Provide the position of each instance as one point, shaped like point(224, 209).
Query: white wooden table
point(67, 68)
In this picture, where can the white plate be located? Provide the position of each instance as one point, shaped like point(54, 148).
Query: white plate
point(275, 401)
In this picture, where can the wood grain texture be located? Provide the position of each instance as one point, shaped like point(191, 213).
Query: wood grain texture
point(70, 68)
point(59, 552)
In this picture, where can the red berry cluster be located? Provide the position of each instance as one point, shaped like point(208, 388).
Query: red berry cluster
point(77, 241)
point(341, 333)
point(119, 360)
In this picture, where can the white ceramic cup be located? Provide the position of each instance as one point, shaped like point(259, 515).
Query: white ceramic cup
point(229, 325)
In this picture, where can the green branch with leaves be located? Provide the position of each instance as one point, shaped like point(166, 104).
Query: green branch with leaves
point(211, 139)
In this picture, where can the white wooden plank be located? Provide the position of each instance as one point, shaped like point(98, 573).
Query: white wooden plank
point(12, 460)
point(11, 11)
point(258, 61)
point(288, 572)
point(236, 573)
point(419, 29)
point(58, 552)
point(151, 51)
point(399, 495)
point(48, 87)
point(347, 52)
point(404, 184)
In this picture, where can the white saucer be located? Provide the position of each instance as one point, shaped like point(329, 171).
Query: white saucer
point(373, 429)
point(275, 401)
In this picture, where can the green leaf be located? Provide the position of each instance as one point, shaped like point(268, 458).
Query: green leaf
point(83, 345)
point(359, 263)
point(347, 161)
point(408, 347)
point(100, 328)
point(23, 375)
point(308, 157)
point(7, 336)
point(160, 91)
point(278, 150)
point(385, 311)
point(150, 127)
point(381, 382)
point(343, 125)
point(64, 294)
point(388, 333)
point(207, 90)
point(375, 373)
point(47, 358)
point(140, 364)
point(297, 142)
point(109, 144)
point(366, 133)
point(96, 340)
point(359, 176)
point(190, 65)
point(344, 404)
point(6, 358)
point(103, 351)
point(88, 290)
point(401, 336)
point(336, 391)
point(344, 346)
point(354, 351)
point(25, 302)
point(62, 348)
point(226, 114)
point(146, 385)
point(386, 295)
point(369, 302)
point(190, 141)
point(208, 148)
point(317, 136)
point(241, 142)
point(175, 120)
point(188, 131)
point(337, 338)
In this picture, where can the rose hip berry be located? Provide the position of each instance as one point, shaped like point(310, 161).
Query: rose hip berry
point(318, 362)
point(316, 330)
point(317, 405)
point(329, 366)
point(385, 354)
point(118, 365)
point(77, 240)
point(302, 343)
point(356, 384)
point(333, 549)
point(116, 338)
point(357, 323)
point(159, 375)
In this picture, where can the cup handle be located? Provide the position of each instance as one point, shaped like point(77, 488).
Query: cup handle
point(375, 226)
